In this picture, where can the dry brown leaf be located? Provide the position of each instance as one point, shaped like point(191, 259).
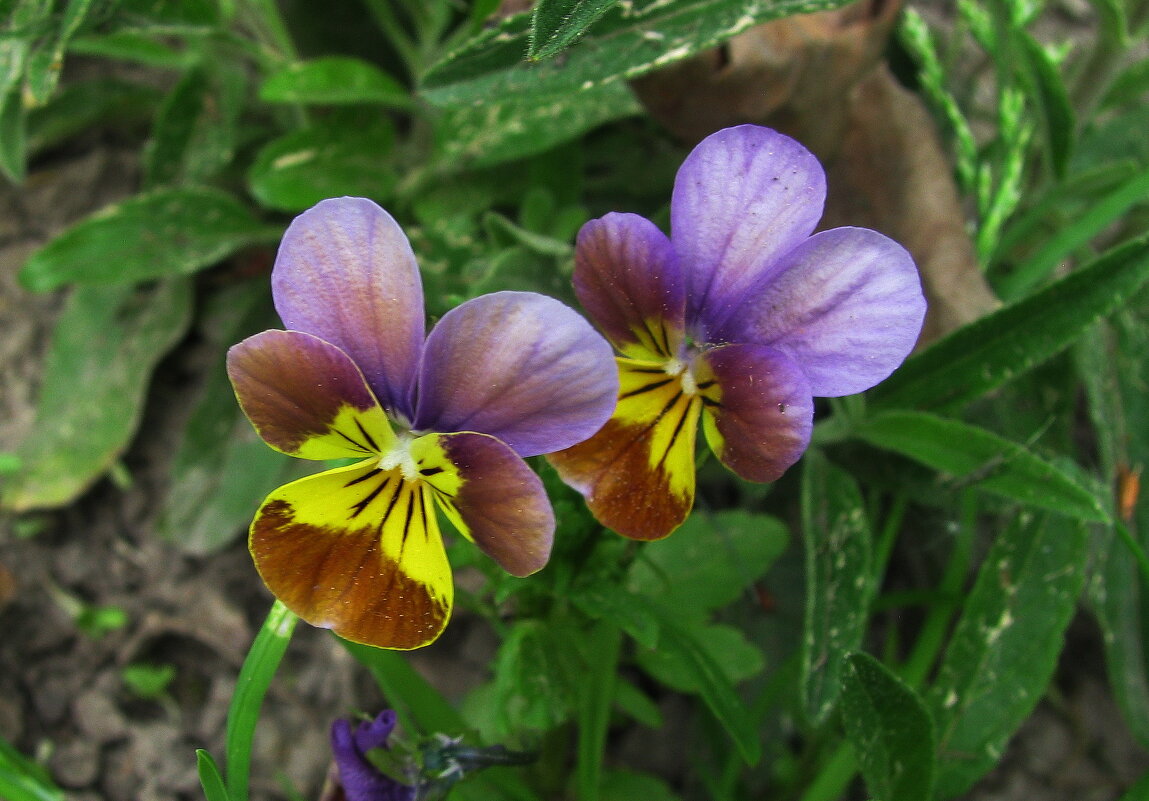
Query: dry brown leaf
point(821, 79)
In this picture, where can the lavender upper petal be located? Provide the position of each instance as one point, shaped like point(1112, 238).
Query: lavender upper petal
point(742, 198)
point(346, 274)
point(519, 366)
point(846, 305)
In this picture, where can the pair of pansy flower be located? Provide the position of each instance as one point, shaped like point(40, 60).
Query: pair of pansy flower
point(740, 318)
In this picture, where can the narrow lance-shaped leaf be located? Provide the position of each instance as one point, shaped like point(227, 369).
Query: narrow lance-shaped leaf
point(890, 730)
point(555, 24)
point(629, 40)
point(1005, 646)
point(255, 677)
point(21, 779)
point(106, 343)
point(1114, 371)
point(512, 127)
point(839, 579)
point(160, 234)
point(986, 354)
point(1098, 215)
point(967, 454)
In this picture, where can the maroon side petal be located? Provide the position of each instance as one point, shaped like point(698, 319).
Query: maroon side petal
point(757, 409)
point(305, 397)
point(491, 495)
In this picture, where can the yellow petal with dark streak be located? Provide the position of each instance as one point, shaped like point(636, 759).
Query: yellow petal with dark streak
point(357, 550)
point(637, 472)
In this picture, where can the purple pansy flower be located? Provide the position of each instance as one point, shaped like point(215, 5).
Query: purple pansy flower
point(741, 317)
point(362, 780)
point(437, 422)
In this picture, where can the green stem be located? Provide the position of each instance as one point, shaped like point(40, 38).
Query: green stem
point(933, 633)
point(1134, 548)
point(254, 678)
point(835, 776)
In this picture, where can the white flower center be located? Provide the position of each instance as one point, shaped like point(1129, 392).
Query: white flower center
point(400, 456)
point(677, 367)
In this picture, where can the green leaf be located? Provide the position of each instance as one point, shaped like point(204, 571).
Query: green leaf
point(22, 779)
point(209, 777)
point(13, 137)
point(420, 707)
point(47, 59)
point(195, 133)
point(84, 105)
point(1005, 646)
point(132, 46)
point(1114, 371)
point(711, 561)
point(630, 40)
point(221, 470)
point(716, 690)
point(1094, 219)
point(969, 455)
point(556, 24)
point(622, 785)
point(839, 579)
point(106, 343)
point(727, 646)
point(254, 678)
point(159, 234)
point(344, 154)
point(334, 80)
point(513, 127)
point(890, 730)
point(989, 352)
point(610, 601)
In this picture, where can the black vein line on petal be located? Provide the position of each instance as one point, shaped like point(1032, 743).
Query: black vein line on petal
point(363, 504)
point(647, 370)
point(366, 436)
point(646, 388)
point(677, 431)
point(430, 471)
point(359, 446)
point(424, 513)
point(369, 474)
point(407, 520)
point(390, 506)
point(705, 384)
point(442, 493)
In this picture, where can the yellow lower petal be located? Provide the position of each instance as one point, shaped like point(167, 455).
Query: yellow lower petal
point(637, 472)
point(357, 550)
